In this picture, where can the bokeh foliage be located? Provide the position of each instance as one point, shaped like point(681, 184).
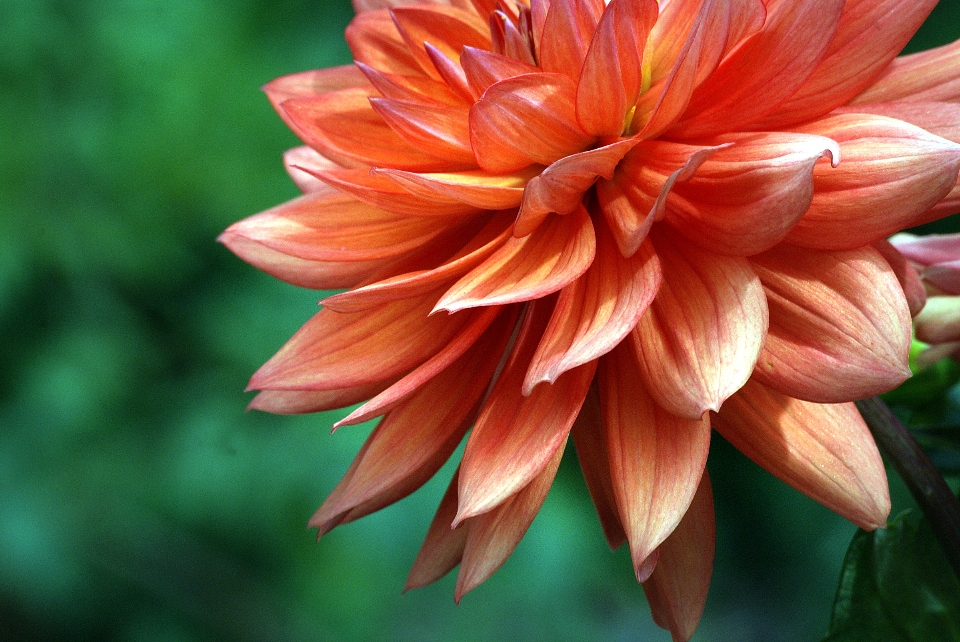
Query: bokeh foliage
point(138, 501)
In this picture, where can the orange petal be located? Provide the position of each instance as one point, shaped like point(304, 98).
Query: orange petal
point(492, 344)
point(765, 70)
point(438, 130)
point(636, 196)
point(295, 402)
point(939, 118)
point(508, 39)
point(597, 311)
point(484, 68)
point(306, 273)
point(447, 29)
point(591, 444)
point(524, 120)
point(610, 80)
point(824, 451)
point(494, 535)
point(680, 24)
point(870, 35)
point(561, 186)
point(419, 89)
point(375, 41)
point(474, 188)
point(924, 76)
point(839, 324)
point(556, 254)
point(906, 275)
point(420, 282)
point(310, 84)
point(516, 436)
point(745, 198)
point(379, 191)
point(699, 340)
point(567, 30)
point(891, 172)
point(327, 226)
point(443, 547)
point(337, 350)
point(344, 126)
point(420, 433)
point(677, 589)
point(656, 458)
point(302, 163)
point(685, 47)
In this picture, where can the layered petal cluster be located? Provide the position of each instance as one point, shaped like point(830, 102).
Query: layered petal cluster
point(935, 260)
point(624, 222)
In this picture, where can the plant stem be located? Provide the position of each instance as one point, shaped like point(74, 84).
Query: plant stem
point(925, 482)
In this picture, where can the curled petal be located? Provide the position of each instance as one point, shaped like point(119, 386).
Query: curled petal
point(516, 436)
point(656, 458)
point(591, 444)
point(555, 254)
point(823, 450)
point(870, 35)
point(492, 536)
point(793, 41)
point(700, 338)
point(839, 324)
point(745, 198)
point(525, 120)
point(561, 186)
point(610, 80)
point(892, 172)
point(677, 589)
point(339, 350)
point(475, 188)
point(597, 311)
point(932, 75)
point(636, 197)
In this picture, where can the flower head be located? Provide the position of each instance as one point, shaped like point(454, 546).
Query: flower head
point(621, 222)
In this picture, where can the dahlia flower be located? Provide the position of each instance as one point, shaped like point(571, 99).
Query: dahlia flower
point(619, 222)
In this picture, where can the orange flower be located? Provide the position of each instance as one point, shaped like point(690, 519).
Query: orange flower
point(623, 222)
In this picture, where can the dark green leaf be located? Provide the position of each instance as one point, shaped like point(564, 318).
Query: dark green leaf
point(896, 586)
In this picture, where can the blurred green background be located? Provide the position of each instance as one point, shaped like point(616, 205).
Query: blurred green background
point(138, 501)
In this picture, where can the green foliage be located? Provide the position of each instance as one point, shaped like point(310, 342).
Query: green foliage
point(896, 586)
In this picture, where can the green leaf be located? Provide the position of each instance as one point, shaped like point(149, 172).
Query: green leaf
point(896, 586)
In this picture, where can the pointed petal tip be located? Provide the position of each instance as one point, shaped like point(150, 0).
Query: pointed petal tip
point(645, 568)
